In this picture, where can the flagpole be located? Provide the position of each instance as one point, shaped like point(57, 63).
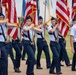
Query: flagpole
point(44, 16)
point(37, 7)
point(44, 12)
point(49, 6)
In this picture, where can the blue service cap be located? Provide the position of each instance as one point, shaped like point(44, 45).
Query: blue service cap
point(53, 18)
point(1, 14)
point(40, 17)
point(73, 19)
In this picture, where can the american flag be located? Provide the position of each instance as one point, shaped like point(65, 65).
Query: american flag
point(12, 17)
point(31, 10)
point(63, 16)
point(73, 9)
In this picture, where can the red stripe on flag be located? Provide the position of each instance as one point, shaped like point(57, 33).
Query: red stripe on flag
point(16, 33)
point(62, 27)
point(9, 31)
point(65, 33)
point(73, 9)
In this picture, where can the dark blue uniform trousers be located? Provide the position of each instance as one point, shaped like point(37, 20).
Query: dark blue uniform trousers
point(42, 45)
point(10, 52)
point(63, 52)
point(55, 48)
point(4, 58)
point(31, 57)
point(74, 58)
point(17, 47)
point(24, 49)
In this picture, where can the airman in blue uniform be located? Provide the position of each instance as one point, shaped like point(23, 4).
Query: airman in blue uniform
point(55, 47)
point(28, 31)
point(42, 45)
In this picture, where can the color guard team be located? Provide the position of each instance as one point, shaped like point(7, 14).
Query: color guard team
point(28, 46)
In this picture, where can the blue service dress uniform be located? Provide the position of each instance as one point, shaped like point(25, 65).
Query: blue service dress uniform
point(55, 48)
point(73, 33)
point(30, 49)
point(4, 47)
point(42, 46)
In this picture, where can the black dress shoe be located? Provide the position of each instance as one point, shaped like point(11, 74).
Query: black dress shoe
point(73, 69)
point(17, 70)
point(48, 67)
point(23, 59)
point(52, 72)
point(69, 65)
point(61, 65)
point(31, 74)
point(39, 68)
point(59, 73)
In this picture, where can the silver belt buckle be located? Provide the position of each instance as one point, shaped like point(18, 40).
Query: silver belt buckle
point(6, 42)
point(43, 39)
point(19, 41)
point(56, 41)
point(32, 42)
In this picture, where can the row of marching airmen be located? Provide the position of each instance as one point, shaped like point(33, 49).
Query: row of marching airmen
point(57, 46)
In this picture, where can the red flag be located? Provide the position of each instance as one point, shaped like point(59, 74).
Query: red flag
point(12, 17)
point(31, 10)
point(63, 16)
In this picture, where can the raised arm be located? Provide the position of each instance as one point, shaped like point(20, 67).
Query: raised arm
point(38, 29)
point(3, 21)
point(8, 24)
point(54, 28)
point(39, 26)
point(28, 28)
point(12, 24)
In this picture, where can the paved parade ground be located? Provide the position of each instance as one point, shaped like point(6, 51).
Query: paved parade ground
point(44, 71)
